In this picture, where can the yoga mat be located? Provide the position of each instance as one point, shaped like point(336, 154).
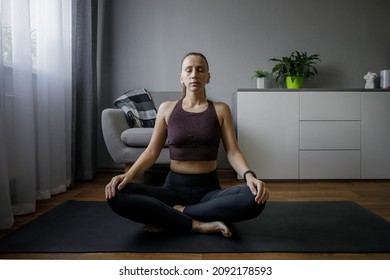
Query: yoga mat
point(79, 226)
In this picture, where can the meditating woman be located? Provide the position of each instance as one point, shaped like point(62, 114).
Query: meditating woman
point(191, 198)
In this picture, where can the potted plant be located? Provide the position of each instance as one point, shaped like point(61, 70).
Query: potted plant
point(261, 75)
point(296, 68)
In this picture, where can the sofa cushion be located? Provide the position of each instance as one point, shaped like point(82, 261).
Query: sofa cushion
point(138, 136)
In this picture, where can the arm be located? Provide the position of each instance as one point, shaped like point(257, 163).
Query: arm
point(234, 155)
point(148, 157)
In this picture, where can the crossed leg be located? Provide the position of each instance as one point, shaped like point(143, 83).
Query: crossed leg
point(159, 208)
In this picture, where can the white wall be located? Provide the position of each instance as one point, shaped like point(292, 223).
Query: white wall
point(143, 41)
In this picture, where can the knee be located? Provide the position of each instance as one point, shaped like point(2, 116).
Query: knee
point(112, 202)
point(119, 198)
point(252, 208)
point(259, 208)
point(115, 202)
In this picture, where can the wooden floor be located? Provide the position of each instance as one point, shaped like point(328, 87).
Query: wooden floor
point(374, 195)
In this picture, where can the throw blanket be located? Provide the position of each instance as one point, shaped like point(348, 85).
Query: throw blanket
point(139, 108)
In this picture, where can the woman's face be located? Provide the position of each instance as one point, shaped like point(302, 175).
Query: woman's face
point(194, 73)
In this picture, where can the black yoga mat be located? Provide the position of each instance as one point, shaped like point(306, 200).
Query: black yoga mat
point(77, 226)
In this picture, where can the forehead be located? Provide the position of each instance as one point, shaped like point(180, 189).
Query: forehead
point(193, 61)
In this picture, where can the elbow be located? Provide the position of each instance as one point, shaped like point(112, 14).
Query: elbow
point(233, 153)
point(151, 154)
point(232, 157)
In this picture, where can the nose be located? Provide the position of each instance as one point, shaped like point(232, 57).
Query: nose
point(194, 74)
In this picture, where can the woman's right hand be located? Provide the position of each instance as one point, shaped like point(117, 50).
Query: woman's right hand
point(117, 182)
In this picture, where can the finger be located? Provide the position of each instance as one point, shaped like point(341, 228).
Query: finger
point(106, 190)
point(253, 190)
point(258, 197)
point(262, 193)
point(122, 184)
point(109, 193)
point(110, 188)
point(262, 198)
point(258, 190)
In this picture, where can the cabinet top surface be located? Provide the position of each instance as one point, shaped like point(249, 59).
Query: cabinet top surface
point(312, 89)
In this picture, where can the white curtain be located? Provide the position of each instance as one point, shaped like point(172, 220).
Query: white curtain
point(35, 103)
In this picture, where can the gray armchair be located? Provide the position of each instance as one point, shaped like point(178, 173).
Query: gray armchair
point(125, 144)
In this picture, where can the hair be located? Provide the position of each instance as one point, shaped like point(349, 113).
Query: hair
point(184, 90)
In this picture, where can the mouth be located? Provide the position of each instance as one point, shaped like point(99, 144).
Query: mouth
point(194, 84)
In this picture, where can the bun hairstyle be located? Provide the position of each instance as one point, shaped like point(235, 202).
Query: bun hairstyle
point(184, 90)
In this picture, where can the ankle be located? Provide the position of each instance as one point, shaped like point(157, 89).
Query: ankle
point(179, 208)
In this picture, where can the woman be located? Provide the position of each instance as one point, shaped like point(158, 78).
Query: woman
point(191, 198)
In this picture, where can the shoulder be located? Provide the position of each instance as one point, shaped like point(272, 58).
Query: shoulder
point(165, 110)
point(222, 108)
point(223, 113)
point(167, 106)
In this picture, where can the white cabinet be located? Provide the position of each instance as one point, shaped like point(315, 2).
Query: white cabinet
point(376, 135)
point(315, 134)
point(329, 135)
point(268, 132)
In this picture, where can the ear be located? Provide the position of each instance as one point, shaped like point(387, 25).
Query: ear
point(208, 79)
point(181, 81)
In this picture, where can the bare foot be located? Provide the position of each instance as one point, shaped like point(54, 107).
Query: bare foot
point(152, 229)
point(179, 208)
point(207, 227)
point(211, 227)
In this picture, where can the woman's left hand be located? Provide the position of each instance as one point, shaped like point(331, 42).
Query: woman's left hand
point(259, 190)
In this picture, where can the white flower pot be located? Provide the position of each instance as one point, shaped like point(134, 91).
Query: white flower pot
point(260, 82)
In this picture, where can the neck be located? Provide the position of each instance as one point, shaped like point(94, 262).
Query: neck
point(195, 98)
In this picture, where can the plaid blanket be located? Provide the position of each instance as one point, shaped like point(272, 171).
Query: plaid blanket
point(138, 106)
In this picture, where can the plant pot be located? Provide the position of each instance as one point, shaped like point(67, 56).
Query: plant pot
point(298, 82)
point(260, 82)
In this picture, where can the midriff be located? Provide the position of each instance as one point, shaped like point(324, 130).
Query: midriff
point(193, 167)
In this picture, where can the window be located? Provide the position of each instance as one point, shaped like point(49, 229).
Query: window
point(6, 24)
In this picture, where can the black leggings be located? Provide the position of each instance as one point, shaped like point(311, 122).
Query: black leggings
point(201, 194)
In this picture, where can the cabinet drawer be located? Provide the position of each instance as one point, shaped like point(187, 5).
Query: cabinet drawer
point(330, 105)
point(329, 164)
point(330, 135)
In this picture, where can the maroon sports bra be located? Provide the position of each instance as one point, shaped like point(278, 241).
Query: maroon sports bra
point(193, 136)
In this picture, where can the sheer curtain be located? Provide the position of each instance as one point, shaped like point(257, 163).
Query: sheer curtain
point(35, 103)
